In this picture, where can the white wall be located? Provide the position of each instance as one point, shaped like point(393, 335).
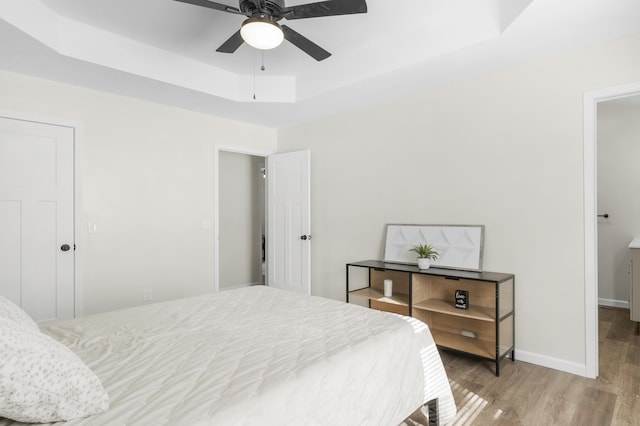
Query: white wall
point(147, 175)
point(503, 150)
point(240, 219)
point(618, 195)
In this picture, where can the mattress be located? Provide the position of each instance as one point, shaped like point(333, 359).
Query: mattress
point(257, 356)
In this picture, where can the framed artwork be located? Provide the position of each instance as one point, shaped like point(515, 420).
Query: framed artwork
point(458, 246)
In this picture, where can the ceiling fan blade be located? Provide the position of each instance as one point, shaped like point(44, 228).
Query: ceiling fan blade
point(232, 43)
point(214, 5)
point(325, 8)
point(304, 44)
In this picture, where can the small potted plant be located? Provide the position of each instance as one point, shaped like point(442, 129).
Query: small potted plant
point(425, 253)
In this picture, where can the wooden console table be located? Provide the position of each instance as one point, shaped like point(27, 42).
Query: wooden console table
point(486, 329)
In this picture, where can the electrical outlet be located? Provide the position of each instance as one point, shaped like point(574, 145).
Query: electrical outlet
point(148, 295)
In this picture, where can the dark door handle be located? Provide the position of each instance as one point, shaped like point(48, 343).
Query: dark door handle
point(65, 247)
point(305, 237)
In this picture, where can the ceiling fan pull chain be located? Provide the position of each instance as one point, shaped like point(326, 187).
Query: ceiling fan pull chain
point(262, 68)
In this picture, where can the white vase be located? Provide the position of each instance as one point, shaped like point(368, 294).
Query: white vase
point(388, 288)
point(424, 263)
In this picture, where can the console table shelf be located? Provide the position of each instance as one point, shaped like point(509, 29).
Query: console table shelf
point(478, 347)
point(444, 307)
point(485, 329)
point(377, 295)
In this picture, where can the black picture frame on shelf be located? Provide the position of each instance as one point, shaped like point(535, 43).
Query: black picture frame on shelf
point(462, 299)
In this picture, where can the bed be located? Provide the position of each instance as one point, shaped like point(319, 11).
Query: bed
point(256, 356)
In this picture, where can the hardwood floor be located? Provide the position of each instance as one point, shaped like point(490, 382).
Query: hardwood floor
point(527, 394)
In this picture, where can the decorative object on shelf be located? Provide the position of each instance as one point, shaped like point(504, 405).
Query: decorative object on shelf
point(425, 254)
point(388, 288)
point(462, 299)
point(459, 246)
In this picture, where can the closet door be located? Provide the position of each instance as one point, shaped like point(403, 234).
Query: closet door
point(36, 218)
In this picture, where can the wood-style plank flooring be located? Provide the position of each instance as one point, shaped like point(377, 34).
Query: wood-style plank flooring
point(527, 394)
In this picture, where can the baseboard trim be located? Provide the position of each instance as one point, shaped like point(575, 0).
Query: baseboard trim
point(554, 363)
point(614, 303)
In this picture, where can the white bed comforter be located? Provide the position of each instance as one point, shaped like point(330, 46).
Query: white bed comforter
point(258, 356)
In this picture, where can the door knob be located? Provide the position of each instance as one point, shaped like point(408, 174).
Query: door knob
point(65, 247)
point(305, 237)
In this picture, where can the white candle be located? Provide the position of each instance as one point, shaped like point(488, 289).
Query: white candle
point(388, 288)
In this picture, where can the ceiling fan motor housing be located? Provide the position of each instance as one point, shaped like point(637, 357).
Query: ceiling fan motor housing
point(269, 8)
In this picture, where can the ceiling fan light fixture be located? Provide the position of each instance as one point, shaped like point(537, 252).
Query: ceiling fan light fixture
point(261, 33)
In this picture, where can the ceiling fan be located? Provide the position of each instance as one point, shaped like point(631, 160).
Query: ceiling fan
point(262, 31)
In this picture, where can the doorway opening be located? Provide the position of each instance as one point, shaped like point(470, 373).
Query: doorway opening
point(618, 152)
point(240, 224)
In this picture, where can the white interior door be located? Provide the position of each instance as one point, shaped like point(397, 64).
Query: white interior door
point(289, 224)
point(36, 218)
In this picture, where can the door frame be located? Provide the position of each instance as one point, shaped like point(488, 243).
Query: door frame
point(80, 232)
point(591, 99)
point(216, 200)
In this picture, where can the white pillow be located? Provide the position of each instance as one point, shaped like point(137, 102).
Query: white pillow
point(42, 381)
point(13, 312)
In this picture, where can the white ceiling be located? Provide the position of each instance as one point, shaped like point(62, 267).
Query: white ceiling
point(164, 51)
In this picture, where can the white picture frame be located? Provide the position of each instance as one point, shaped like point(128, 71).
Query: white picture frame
point(458, 246)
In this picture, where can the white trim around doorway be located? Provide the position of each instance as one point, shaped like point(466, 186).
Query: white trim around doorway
point(590, 102)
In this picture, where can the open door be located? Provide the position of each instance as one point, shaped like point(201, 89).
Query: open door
point(289, 224)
